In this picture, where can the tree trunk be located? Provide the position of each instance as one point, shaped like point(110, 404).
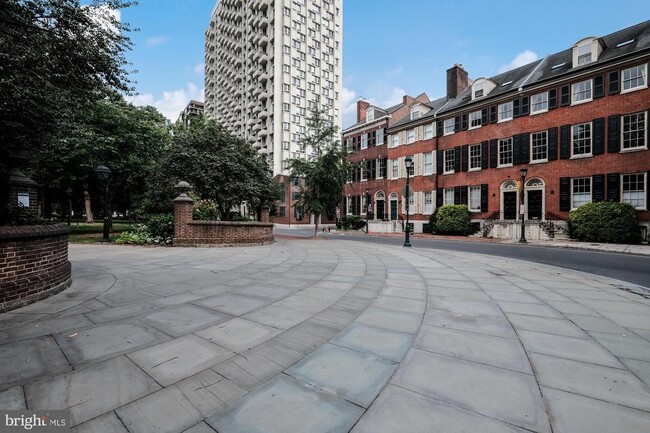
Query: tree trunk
point(89, 211)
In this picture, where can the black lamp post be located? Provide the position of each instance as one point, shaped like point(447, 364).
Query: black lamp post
point(68, 191)
point(409, 163)
point(522, 209)
point(368, 207)
point(105, 175)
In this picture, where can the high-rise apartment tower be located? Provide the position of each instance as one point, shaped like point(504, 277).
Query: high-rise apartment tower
point(267, 64)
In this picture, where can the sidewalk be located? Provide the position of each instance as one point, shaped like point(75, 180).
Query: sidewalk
point(309, 337)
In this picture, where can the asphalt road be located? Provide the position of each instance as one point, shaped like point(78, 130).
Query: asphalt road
point(627, 267)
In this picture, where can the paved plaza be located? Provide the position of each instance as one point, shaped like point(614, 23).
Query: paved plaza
point(313, 336)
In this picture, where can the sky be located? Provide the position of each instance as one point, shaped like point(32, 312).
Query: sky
point(390, 47)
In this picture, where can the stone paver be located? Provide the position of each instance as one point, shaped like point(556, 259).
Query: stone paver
point(312, 336)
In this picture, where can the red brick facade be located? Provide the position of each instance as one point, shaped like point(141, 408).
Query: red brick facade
point(33, 264)
point(550, 181)
point(188, 232)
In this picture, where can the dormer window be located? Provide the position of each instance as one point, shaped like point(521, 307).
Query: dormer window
point(584, 54)
point(370, 115)
point(415, 113)
point(586, 51)
point(478, 90)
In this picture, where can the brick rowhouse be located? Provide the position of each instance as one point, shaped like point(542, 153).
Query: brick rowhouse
point(577, 120)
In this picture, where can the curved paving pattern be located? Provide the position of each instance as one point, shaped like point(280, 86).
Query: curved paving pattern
point(318, 336)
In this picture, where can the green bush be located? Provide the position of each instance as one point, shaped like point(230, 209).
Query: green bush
point(19, 215)
point(605, 221)
point(432, 220)
point(161, 226)
point(453, 220)
point(350, 222)
point(205, 210)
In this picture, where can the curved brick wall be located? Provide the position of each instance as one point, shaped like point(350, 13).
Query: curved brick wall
point(33, 263)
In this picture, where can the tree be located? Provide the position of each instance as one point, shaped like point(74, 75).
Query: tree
point(325, 171)
point(129, 139)
point(218, 165)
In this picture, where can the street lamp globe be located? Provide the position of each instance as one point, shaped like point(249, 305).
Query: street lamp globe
point(104, 174)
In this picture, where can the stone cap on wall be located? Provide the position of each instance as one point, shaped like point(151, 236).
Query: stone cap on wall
point(230, 223)
point(34, 231)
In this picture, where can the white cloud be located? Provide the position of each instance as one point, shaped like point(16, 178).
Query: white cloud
point(392, 73)
point(172, 102)
point(521, 59)
point(349, 104)
point(157, 40)
point(199, 68)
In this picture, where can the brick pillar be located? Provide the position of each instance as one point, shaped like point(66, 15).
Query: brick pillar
point(265, 214)
point(183, 205)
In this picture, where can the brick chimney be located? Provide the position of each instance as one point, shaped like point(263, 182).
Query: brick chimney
point(457, 81)
point(362, 106)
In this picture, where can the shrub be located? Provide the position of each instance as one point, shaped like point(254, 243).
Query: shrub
point(605, 221)
point(19, 215)
point(432, 220)
point(161, 226)
point(205, 210)
point(453, 220)
point(350, 222)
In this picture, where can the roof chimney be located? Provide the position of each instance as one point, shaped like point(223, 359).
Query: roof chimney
point(457, 81)
point(362, 106)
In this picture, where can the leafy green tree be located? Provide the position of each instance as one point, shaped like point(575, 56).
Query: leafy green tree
point(325, 171)
point(57, 58)
point(218, 165)
point(128, 139)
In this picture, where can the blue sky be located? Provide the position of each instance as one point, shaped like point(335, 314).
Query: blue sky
point(390, 47)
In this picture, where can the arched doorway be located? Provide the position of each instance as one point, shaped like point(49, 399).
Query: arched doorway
point(393, 206)
point(380, 205)
point(535, 199)
point(509, 200)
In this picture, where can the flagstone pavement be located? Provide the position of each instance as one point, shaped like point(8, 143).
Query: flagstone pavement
point(329, 336)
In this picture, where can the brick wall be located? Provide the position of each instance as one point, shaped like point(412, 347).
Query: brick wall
point(33, 264)
point(190, 233)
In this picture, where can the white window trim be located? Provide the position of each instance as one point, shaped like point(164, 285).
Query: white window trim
point(469, 199)
point(583, 101)
point(444, 162)
point(530, 150)
point(443, 127)
point(645, 135)
point(645, 189)
point(591, 189)
point(499, 165)
point(545, 110)
point(507, 119)
point(424, 131)
point(408, 132)
point(469, 158)
point(634, 89)
point(469, 120)
point(424, 204)
point(591, 139)
point(424, 164)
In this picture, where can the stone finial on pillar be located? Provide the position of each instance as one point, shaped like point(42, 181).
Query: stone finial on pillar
point(265, 214)
point(183, 206)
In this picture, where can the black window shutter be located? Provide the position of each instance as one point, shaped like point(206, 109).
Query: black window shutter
point(439, 197)
point(552, 144)
point(484, 197)
point(515, 108)
point(457, 195)
point(457, 159)
point(524, 142)
point(456, 123)
point(598, 181)
point(385, 135)
point(463, 122)
point(484, 116)
point(565, 141)
point(599, 86)
point(552, 99)
point(493, 153)
point(439, 130)
point(373, 169)
point(524, 106)
point(464, 151)
point(439, 158)
point(565, 95)
point(599, 146)
point(516, 149)
point(493, 114)
point(614, 187)
point(484, 155)
point(613, 134)
point(463, 195)
point(614, 86)
point(565, 194)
